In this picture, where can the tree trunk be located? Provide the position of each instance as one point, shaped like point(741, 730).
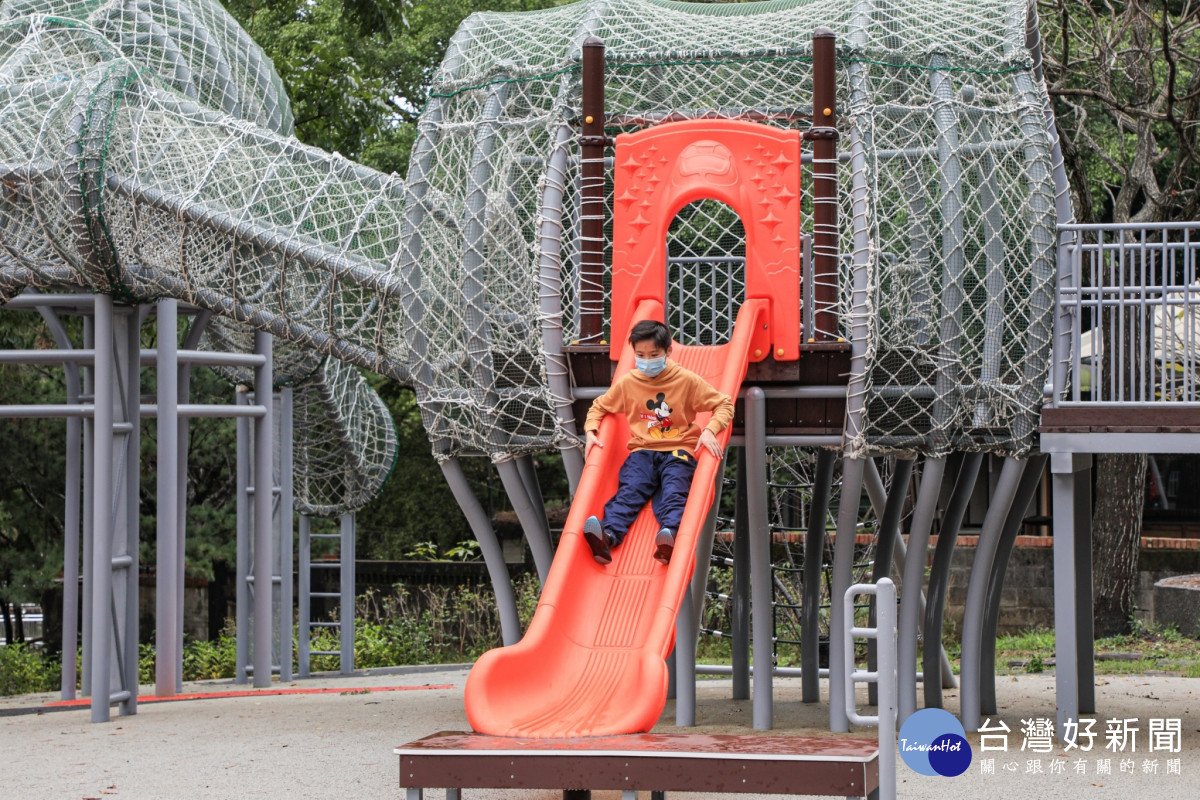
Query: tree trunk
point(9, 636)
point(1116, 534)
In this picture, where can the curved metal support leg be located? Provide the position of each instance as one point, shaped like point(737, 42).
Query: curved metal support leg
point(939, 575)
point(814, 551)
point(539, 542)
point(977, 586)
point(529, 477)
point(704, 548)
point(885, 551)
point(489, 546)
point(913, 580)
point(1026, 491)
point(843, 564)
point(740, 623)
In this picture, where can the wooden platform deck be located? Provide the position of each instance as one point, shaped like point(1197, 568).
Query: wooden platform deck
point(655, 762)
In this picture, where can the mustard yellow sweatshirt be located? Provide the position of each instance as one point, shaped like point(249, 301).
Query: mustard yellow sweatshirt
point(661, 410)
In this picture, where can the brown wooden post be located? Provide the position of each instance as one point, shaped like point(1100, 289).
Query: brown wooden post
point(823, 135)
point(591, 224)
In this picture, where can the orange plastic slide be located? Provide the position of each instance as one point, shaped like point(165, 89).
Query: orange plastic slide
point(593, 660)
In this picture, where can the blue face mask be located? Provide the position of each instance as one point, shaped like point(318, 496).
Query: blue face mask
point(650, 367)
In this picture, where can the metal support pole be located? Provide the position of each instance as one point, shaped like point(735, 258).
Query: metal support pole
point(685, 663)
point(286, 542)
point(102, 653)
point(740, 623)
point(843, 564)
point(761, 589)
point(913, 580)
point(242, 583)
point(1026, 491)
point(127, 525)
point(1084, 631)
point(977, 586)
point(939, 574)
point(71, 518)
point(346, 612)
point(489, 547)
point(885, 548)
point(263, 534)
point(704, 548)
point(89, 507)
point(814, 552)
point(536, 533)
point(304, 610)
point(167, 592)
point(1066, 473)
point(591, 220)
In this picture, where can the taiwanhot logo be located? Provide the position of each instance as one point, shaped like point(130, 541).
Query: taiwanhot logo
point(933, 742)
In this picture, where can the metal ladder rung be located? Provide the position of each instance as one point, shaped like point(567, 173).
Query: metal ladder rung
point(324, 536)
point(324, 652)
point(324, 624)
point(324, 594)
point(326, 565)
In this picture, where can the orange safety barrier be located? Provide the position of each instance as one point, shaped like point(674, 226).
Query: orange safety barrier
point(755, 169)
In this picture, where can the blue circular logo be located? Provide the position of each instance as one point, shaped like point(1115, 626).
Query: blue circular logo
point(932, 742)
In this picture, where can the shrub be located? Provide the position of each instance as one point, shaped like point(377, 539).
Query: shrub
point(24, 671)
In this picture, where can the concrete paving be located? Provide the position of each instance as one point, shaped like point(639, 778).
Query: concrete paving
point(339, 744)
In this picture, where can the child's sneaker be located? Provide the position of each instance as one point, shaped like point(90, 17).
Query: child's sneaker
point(664, 543)
point(598, 539)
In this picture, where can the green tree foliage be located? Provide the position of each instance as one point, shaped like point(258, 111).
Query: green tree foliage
point(358, 71)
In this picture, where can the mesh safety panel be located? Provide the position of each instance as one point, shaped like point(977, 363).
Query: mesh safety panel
point(146, 152)
point(946, 204)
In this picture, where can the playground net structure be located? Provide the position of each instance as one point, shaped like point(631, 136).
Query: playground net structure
point(947, 207)
point(146, 150)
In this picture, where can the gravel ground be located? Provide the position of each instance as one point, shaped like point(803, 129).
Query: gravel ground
point(339, 744)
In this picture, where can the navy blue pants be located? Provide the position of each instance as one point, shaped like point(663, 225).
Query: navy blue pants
point(663, 477)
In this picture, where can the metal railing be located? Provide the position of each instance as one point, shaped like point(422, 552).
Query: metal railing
point(1127, 315)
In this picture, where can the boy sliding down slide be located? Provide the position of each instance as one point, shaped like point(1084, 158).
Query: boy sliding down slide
point(661, 400)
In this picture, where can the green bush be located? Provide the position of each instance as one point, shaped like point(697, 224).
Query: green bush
point(25, 671)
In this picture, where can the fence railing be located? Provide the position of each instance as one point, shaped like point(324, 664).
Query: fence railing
point(1127, 315)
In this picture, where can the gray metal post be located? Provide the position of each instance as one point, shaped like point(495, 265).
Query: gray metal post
point(535, 532)
point(953, 256)
point(814, 553)
point(1084, 631)
point(977, 586)
point(191, 341)
point(242, 583)
point(884, 633)
point(263, 529)
point(885, 547)
point(346, 613)
point(167, 593)
point(71, 519)
point(1026, 492)
point(911, 584)
point(89, 504)
point(102, 652)
point(762, 589)
point(304, 604)
point(1063, 470)
point(489, 547)
point(285, 529)
point(939, 574)
point(550, 236)
point(529, 477)
point(740, 602)
point(685, 663)
point(127, 526)
point(843, 564)
point(704, 548)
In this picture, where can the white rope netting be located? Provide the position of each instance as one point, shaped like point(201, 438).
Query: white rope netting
point(146, 153)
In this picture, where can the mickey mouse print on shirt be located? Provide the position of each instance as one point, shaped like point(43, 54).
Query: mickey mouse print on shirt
point(658, 422)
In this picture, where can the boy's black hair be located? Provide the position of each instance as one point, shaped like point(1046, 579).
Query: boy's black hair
point(652, 330)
